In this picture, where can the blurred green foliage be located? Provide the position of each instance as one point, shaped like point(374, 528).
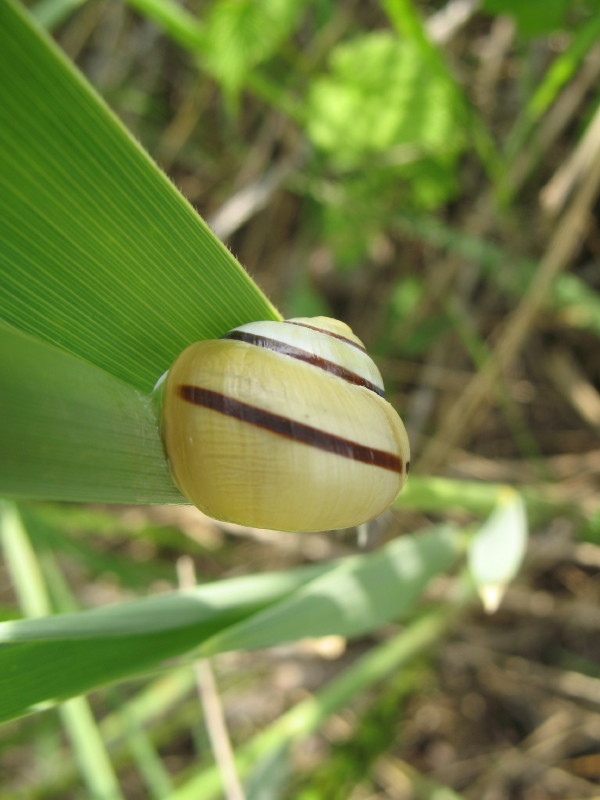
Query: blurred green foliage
point(539, 17)
point(412, 157)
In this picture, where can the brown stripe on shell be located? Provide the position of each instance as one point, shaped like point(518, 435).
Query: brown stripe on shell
point(285, 349)
point(289, 428)
point(327, 333)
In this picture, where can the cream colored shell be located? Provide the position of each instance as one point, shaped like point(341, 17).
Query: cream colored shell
point(272, 439)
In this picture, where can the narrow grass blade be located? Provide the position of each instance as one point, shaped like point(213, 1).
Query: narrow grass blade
point(441, 495)
point(307, 717)
point(76, 716)
point(558, 74)
point(177, 22)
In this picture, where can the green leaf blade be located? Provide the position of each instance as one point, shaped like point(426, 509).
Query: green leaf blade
point(53, 658)
point(358, 596)
point(497, 550)
point(71, 431)
point(100, 254)
point(56, 657)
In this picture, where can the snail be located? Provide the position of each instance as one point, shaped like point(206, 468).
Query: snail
point(283, 425)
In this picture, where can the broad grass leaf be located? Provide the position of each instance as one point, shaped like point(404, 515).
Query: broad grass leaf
point(99, 253)
point(72, 431)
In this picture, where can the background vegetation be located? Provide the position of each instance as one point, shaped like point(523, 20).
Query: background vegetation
point(429, 173)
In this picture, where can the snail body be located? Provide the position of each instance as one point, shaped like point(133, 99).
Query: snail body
point(283, 425)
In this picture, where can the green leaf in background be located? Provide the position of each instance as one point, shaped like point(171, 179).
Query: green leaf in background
point(533, 17)
point(52, 658)
point(243, 33)
point(34, 600)
point(50, 13)
point(382, 96)
point(387, 121)
point(497, 550)
point(354, 597)
point(576, 303)
point(99, 253)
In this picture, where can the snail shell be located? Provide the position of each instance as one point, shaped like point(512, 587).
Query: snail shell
point(283, 425)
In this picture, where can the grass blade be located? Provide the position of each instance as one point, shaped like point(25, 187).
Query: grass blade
point(53, 658)
point(356, 596)
point(307, 717)
point(56, 657)
point(71, 431)
point(77, 718)
point(99, 252)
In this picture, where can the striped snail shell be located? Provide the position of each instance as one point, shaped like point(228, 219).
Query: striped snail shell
point(283, 425)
